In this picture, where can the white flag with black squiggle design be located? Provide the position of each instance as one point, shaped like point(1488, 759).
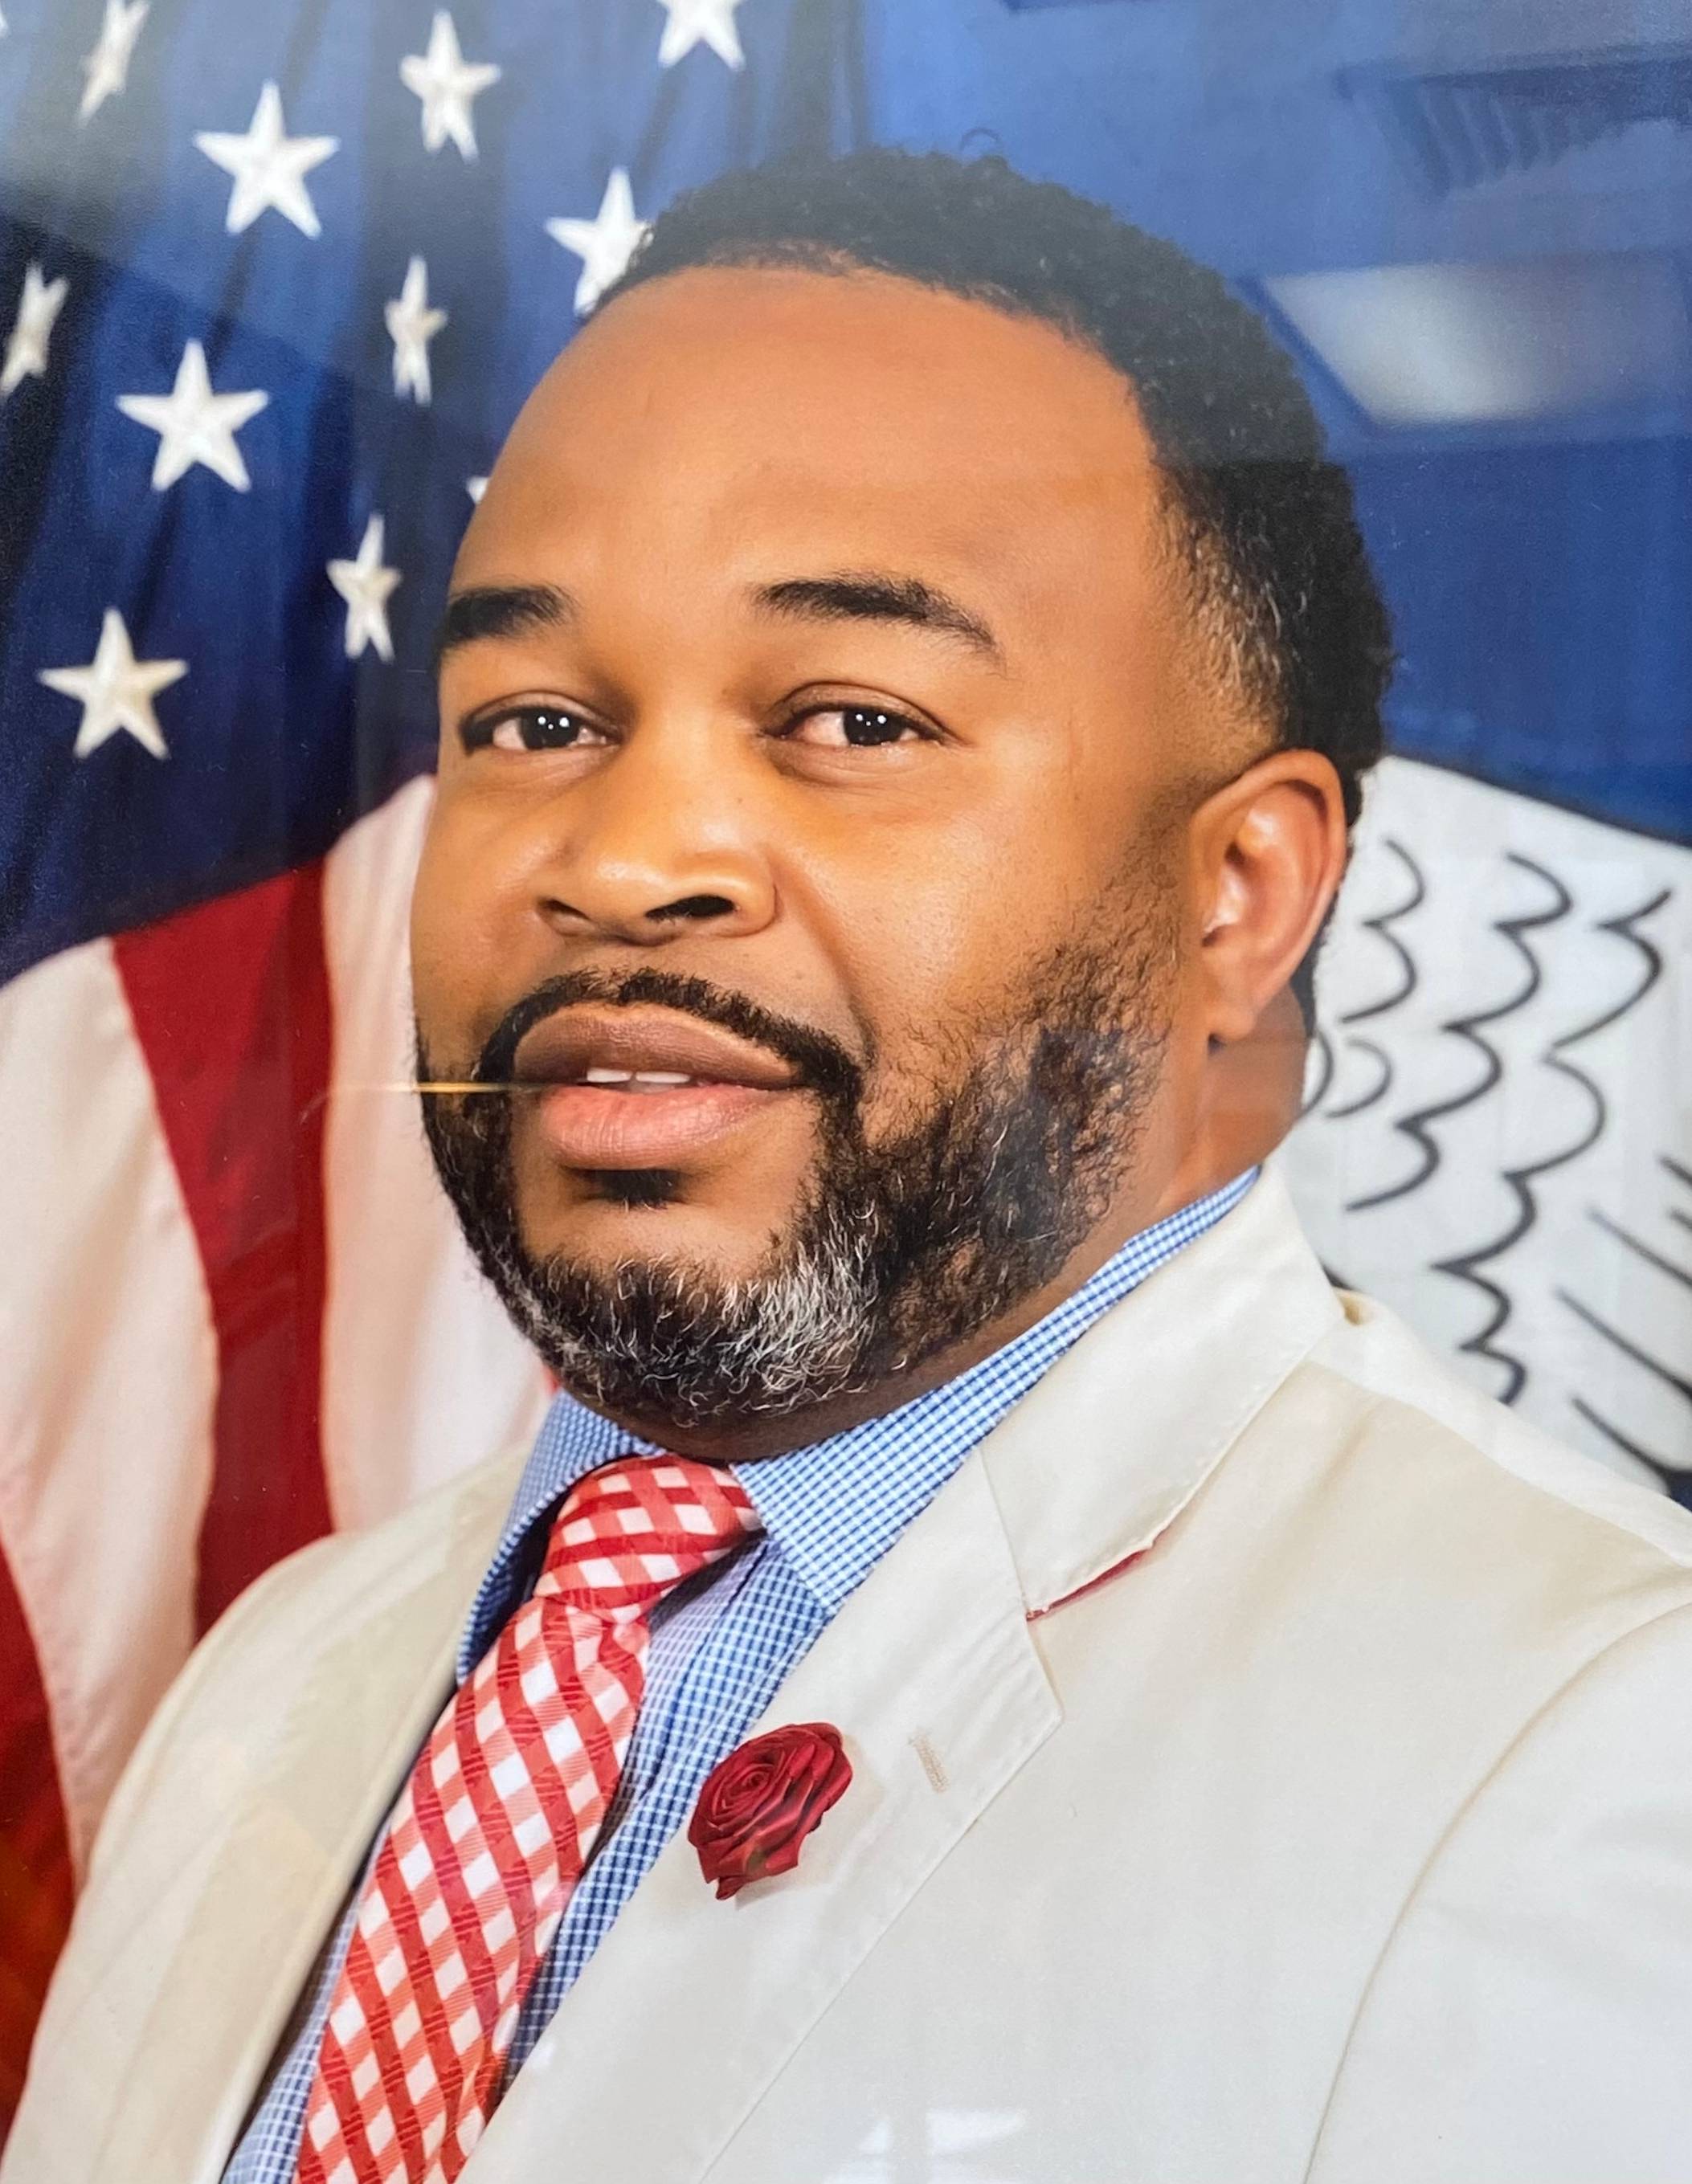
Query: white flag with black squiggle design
point(1498, 1136)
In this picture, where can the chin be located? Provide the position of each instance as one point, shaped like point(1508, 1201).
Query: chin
point(644, 1217)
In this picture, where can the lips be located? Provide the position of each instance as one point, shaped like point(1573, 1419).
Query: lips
point(647, 1051)
point(639, 1088)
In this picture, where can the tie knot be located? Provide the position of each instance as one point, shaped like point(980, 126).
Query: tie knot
point(631, 1529)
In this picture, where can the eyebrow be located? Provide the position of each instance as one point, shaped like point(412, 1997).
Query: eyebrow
point(872, 595)
point(495, 610)
point(499, 610)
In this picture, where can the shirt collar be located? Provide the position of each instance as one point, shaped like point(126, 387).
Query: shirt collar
point(833, 1508)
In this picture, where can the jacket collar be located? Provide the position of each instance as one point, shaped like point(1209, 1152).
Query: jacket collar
point(266, 1828)
point(1153, 1395)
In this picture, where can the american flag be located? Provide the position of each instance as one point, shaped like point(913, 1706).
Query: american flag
point(274, 280)
point(273, 283)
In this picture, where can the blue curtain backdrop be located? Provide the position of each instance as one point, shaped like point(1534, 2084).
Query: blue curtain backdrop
point(1539, 566)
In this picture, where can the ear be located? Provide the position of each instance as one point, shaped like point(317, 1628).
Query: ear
point(1269, 852)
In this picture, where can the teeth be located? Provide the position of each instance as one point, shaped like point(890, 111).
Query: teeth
point(661, 1079)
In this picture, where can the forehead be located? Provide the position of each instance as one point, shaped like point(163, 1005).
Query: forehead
point(744, 416)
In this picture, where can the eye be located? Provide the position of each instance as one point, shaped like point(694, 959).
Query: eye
point(854, 727)
point(531, 728)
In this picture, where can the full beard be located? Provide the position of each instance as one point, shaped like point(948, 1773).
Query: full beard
point(901, 1247)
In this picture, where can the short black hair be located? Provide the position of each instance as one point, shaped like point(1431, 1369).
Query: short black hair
point(1262, 519)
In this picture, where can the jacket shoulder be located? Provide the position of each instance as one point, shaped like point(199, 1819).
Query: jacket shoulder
point(271, 1638)
point(1618, 1519)
point(1527, 2020)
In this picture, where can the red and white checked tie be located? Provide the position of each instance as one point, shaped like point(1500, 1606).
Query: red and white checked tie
point(492, 1832)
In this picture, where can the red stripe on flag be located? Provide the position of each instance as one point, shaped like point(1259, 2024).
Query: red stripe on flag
point(35, 1849)
point(230, 1003)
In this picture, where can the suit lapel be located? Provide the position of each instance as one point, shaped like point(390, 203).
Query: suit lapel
point(690, 2006)
point(1152, 1398)
point(297, 1802)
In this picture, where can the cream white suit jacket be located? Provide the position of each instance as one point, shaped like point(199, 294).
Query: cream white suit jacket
point(1272, 1761)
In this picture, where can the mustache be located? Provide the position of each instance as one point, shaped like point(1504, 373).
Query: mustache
point(821, 1064)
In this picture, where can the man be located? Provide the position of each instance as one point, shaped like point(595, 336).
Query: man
point(903, 697)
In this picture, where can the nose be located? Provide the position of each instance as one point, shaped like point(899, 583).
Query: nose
point(663, 842)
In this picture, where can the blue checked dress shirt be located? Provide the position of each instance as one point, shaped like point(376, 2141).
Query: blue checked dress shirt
point(721, 1645)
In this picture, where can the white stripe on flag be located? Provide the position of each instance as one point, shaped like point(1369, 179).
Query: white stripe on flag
point(108, 1369)
point(422, 1372)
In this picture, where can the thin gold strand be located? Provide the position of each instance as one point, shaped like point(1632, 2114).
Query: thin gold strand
point(443, 1084)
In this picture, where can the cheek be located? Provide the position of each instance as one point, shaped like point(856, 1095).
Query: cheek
point(951, 957)
point(424, 939)
point(939, 928)
point(935, 963)
point(450, 957)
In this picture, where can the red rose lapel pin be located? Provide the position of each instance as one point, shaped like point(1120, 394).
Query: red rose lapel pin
point(757, 1806)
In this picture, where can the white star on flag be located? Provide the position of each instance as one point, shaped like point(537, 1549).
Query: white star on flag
point(38, 306)
point(604, 243)
point(106, 66)
point(270, 166)
point(446, 83)
point(195, 424)
point(692, 20)
point(412, 326)
point(117, 690)
point(365, 585)
point(476, 487)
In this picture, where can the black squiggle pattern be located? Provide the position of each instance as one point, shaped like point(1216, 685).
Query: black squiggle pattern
point(1464, 1266)
point(1614, 1336)
point(1318, 1091)
point(1678, 1482)
point(1624, 928)
point(1639, 1248)
point(1381, 925)
point(1681, 1175)
point(1416, 1126)
point(1377, 1092)
point(1520, 1181)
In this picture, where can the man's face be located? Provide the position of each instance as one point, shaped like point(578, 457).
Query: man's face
point(816, 732)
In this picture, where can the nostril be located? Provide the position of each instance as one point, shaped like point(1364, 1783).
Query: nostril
point(695, 906)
